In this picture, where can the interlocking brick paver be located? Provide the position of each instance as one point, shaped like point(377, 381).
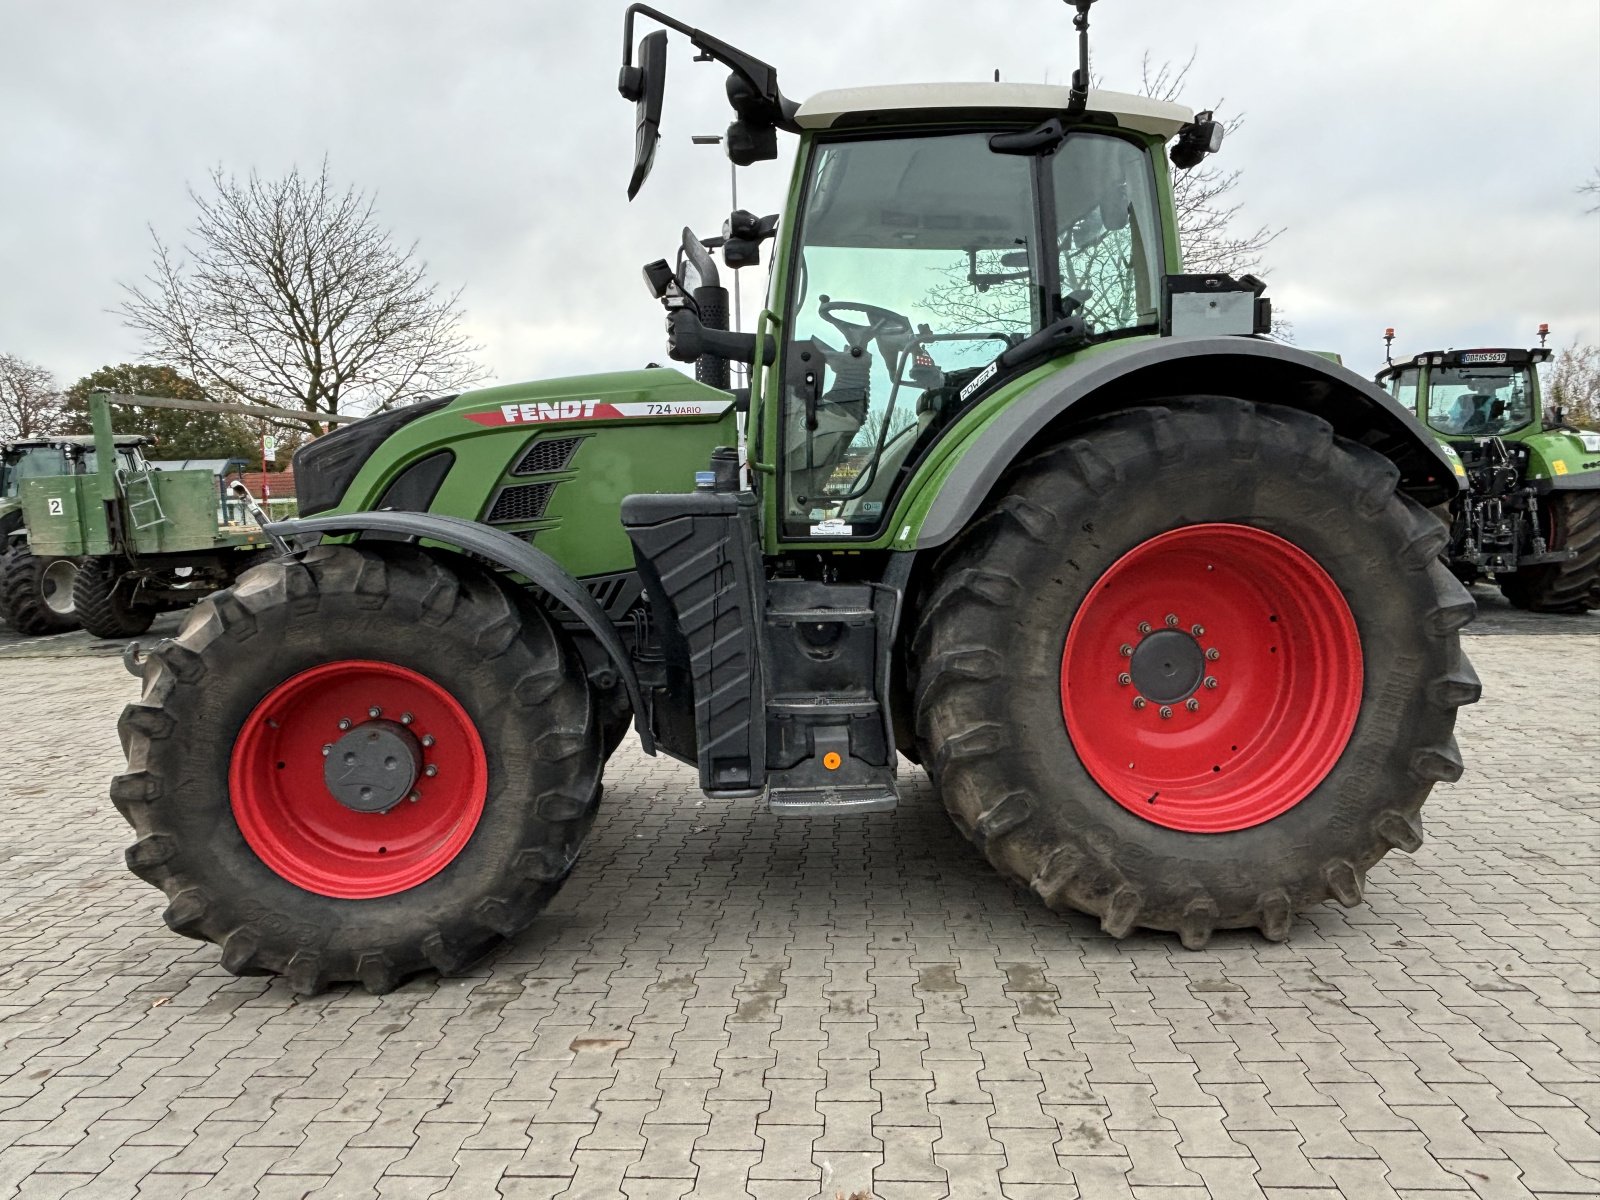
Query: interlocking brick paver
point(720, 1003)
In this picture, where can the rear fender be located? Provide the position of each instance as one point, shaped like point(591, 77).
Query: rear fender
point(502, 549)
point(1144, 372)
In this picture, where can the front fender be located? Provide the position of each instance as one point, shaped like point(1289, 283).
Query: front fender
point(502, 549)
point(1144, 372)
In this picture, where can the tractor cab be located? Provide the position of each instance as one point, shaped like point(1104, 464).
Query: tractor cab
point(1463, 395)
point(64, 454)
point(940, 242)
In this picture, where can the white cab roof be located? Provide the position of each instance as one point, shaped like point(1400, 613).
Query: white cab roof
point(1132, 112)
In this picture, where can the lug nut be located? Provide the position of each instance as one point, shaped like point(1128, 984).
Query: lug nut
point(427, 739)
point(1172, 621)
point(1124, 679)
point(1166, 713)
point(344, 722)
point(1213, 654)
point(1139, 702)
point(1211, 682)
point(431, 770)
point(374, 712)
point(414, 797)
point(406, 718)
point(1125, 650)
point(1144, 626)
point(1192, 704)
point(327, 750)
point(1198, 630)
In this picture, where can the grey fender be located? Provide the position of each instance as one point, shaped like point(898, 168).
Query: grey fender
point(1143, 372)
point(503, 549)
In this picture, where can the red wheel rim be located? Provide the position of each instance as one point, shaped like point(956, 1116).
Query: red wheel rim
point(1269, 645)
point(297, 826)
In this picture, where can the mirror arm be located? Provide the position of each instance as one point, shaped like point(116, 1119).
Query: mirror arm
point(688, 339)
point(761, 76)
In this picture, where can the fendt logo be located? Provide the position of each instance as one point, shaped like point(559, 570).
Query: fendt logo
point(561, 410)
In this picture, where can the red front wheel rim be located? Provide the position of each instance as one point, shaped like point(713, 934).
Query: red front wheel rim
point(1211, 678)
point(430, 782)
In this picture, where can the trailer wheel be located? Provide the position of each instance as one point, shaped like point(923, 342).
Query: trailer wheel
point(1254, 655)
point(101, 598)
point(359, 764)
point(1572, 522)
point(36, 595)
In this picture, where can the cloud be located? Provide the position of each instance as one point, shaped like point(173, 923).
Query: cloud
point(1422, 157)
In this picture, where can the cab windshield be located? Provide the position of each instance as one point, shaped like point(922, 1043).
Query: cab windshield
point(921, 259)
point(1479, 401)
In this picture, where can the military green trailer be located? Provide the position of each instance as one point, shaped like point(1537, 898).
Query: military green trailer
point(36, 594)
point(1529, 518)
point(1155, 600)
point(119, 545)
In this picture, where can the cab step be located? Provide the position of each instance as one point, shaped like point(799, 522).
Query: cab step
point(832, 801)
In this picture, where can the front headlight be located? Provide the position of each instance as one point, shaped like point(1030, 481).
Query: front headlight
point(1590, 440)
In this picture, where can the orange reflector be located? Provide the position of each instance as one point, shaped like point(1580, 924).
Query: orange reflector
point(831, 760)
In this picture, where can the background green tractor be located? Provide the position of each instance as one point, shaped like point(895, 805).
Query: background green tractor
point(1530, 515)
point(36, 593)
point(1155, 601)
point(110, 549)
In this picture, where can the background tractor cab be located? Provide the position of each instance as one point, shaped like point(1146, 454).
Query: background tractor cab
point(1532, 479)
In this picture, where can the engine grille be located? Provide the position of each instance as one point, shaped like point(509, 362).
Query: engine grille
point(524, 502)
point(547, 454)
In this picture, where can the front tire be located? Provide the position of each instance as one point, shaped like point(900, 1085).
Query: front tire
point(1284, 573)
point(101, 598)
point(294, 868)
point(36, 595)
point(1566, 587)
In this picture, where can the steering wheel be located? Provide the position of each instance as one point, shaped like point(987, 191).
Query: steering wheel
point(883, 323)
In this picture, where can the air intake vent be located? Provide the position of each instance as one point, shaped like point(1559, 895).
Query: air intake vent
point(525, 502)
point(548, 454)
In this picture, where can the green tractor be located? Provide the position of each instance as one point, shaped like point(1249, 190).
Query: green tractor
point(1530, 514)
point(1155, 601)
point(36, 593)
point(111, 549)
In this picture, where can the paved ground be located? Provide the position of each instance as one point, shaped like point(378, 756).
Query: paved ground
point(722, 1003)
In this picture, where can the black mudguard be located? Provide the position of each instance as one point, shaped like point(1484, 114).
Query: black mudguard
point(1142, 372)
point(501, 548)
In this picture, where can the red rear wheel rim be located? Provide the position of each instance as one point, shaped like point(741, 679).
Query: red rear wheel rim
point(297, 826)
point(1266, 640)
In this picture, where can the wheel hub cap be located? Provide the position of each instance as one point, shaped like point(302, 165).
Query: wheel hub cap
point(1167, 667)
point(371, 768)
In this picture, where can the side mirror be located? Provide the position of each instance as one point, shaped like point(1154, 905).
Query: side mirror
point(646, 85)
point(742, 235)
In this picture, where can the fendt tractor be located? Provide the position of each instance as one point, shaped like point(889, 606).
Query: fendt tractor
point(116, 546)
point(1155, 601)
point(1530, 514)
point(36, 593)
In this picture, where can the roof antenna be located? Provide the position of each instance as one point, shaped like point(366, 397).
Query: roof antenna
point(1078, 98)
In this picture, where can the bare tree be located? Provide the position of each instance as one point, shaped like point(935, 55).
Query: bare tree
point(1573, 385)
point(30, 402)
point(292, 294)
point(1591, 190)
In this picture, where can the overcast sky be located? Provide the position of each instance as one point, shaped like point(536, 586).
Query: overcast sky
point(1423, 156)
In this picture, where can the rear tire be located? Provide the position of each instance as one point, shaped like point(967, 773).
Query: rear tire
point(100, 599)
point(1567, 587)
point(995, 623)
point(36, 595)
point(224, 718)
